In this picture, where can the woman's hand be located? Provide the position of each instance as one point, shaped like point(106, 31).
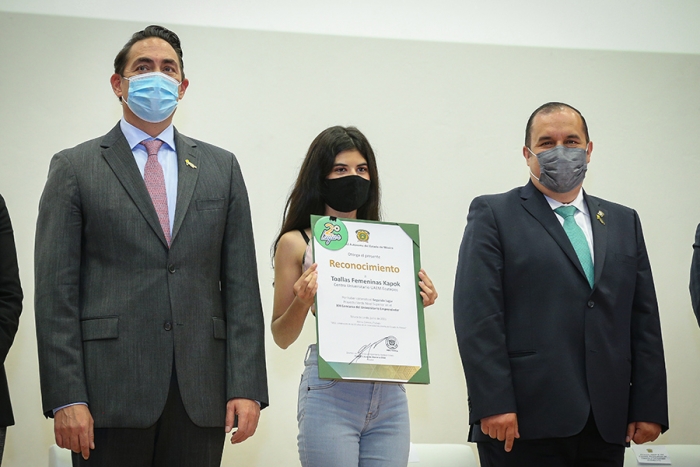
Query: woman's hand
point(305, 287)
point(428, 291)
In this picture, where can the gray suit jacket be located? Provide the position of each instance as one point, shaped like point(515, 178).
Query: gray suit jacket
point(536, 340)
point(117, 310)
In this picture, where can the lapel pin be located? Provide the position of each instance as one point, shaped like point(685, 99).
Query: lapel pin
point(600, 216)
point(190, 164)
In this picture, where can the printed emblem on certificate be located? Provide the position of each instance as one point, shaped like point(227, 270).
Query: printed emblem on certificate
point(369, 312)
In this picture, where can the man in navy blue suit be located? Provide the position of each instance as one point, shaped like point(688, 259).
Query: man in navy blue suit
point(10, 309)
point(556, 314)
point(695, 275)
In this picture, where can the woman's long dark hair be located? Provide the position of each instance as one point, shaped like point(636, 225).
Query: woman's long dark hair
point(306, 198)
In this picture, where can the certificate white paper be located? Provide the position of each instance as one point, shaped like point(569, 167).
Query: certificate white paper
point(368, 309)
point(651, 455)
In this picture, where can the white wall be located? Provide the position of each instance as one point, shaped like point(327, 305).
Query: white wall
point(446, 121)
point(631, 25)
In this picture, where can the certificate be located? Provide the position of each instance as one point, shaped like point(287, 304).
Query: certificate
point(369, 312)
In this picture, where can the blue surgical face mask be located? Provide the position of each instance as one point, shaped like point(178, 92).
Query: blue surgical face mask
point(152, 96)
point(561, 168)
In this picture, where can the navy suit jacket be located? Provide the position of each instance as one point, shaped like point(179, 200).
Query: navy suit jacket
point(695, 275)
point(10, 306)
point(536, 340)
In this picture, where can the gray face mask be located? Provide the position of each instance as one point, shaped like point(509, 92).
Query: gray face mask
point(561, 169)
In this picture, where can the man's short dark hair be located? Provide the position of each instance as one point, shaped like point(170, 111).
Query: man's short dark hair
point(550, 107)
point(151, 31)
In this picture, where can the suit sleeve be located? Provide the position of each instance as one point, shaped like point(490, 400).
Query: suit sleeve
point(648, 389)
point(10, 288)
point(479, 316)
point(695, 275)
point(246, 374)
point(57, 255)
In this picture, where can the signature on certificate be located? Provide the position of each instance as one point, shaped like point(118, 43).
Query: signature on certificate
point(366, 350)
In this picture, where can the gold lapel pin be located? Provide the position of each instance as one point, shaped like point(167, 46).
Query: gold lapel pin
point(600, 216)
point(190, 164)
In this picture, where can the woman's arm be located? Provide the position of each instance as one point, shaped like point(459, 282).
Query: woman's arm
point(294, 291)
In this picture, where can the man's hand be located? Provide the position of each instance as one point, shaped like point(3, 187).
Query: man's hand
point(248, 412)
point(642, 432)
point(73, 427)
point(501, 427)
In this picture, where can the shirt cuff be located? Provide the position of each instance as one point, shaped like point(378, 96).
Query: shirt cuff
point(68, 405)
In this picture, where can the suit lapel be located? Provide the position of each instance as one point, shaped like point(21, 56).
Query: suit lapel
point(600, 235)
point(187, 174)
point(535, 203)
point(117, 153)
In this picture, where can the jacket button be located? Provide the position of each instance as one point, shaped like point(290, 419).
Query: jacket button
point(591, 304)
point(168, 326)
point(171, 268)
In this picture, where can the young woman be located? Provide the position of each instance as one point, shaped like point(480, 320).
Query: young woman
point(341, 423)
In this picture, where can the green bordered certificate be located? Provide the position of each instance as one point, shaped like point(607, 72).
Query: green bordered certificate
point(369, 312)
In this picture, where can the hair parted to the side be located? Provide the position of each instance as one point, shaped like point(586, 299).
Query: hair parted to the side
point(151, 31)
point(550, 107)
point(306, 199)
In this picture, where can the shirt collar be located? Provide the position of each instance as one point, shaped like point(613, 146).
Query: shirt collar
point(134, 135)
point(578, 202)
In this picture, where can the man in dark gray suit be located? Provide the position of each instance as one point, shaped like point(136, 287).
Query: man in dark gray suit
point(695, 275)
point(556, 315)
point(148, 314)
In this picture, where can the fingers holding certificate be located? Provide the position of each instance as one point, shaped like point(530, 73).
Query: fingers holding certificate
point(305, 288)
point(427, 291)
point(370, 299)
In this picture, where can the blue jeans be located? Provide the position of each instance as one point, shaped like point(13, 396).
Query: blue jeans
point(350, 424)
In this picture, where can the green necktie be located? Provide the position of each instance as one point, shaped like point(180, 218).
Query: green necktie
point(578, 240)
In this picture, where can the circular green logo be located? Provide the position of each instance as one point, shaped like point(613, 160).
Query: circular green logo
point(331, 233)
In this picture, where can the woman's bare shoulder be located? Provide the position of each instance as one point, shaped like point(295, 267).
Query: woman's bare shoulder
point(291, 244)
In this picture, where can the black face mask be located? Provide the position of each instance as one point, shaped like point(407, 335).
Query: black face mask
point(345, 194)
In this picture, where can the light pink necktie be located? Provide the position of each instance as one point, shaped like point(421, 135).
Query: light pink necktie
point(155, 184)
